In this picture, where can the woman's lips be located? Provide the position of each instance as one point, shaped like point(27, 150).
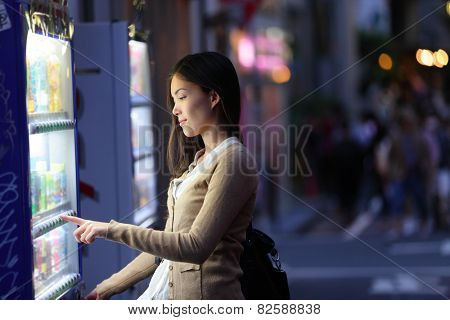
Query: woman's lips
point(182, 122)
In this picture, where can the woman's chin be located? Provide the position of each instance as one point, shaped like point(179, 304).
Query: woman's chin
point(189, 133)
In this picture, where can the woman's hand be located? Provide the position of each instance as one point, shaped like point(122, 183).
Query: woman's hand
point(93, 295)
point(88, 230)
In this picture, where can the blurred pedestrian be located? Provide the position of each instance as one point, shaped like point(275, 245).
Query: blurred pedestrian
point(409, 164)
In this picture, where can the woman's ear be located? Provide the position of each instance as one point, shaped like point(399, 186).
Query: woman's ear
point(215, 98)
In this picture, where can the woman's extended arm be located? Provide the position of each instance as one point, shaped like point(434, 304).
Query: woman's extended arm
point(232, 184)
point(141, 267)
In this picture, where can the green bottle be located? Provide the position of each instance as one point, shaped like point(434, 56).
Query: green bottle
point(41, 167)
point(50, 189)
point(34, 190)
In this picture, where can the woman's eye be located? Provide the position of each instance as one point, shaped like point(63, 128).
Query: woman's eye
point(182, 98)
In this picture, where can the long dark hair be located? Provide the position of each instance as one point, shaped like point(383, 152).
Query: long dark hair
point(211, 71)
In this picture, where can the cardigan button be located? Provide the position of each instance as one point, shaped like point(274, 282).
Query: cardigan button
point(170, 284)
point(171, 267)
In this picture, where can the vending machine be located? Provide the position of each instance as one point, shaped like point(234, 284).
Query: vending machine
point(142, 138)
point(117, 147)
point(38, 150)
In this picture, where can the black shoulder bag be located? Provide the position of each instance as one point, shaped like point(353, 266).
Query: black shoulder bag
point(263, 278)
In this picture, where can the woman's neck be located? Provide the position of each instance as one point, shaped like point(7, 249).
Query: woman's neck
point(213, 138)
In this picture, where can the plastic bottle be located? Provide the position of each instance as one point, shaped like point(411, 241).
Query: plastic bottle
point(43, 270)
point(63, 183)
point(55, 240)
point(30, 101)
point(37, 276)
point(39, 83)
point(34, 189)
point(54, 83)
point(50, 190)
point(37, 257)
point(41, 167)
point(59, 182)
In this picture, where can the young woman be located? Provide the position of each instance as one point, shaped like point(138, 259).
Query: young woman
point(210, 200)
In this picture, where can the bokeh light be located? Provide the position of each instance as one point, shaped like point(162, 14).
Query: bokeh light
point(385, 61)
point(441, 57)
point(281, 74)
point(424, 57)
point(246, 52)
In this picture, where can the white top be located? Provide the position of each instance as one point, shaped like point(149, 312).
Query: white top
point(158, 288)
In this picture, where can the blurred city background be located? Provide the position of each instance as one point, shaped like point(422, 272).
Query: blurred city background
point(364, 84)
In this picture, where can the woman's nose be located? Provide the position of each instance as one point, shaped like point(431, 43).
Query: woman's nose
point(175, 110)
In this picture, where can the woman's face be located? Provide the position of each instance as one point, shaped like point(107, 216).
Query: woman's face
point(192, 106)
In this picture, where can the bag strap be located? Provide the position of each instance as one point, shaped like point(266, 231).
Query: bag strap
point(274, 255)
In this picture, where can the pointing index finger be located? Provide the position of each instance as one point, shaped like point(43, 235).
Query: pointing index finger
point(75, 220)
